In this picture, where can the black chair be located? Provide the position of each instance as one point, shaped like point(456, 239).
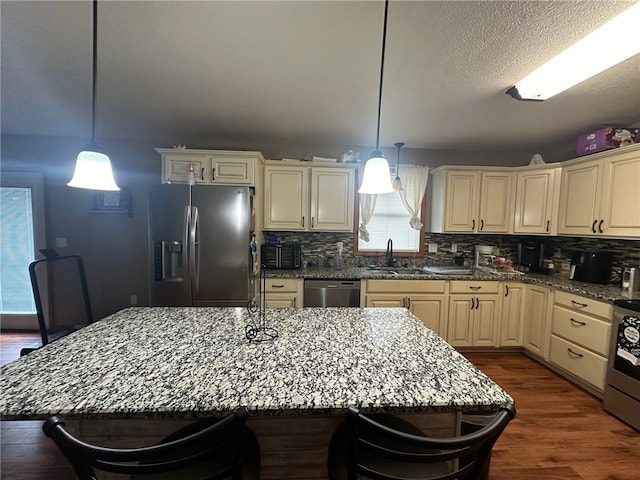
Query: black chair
point(61, 297)
point(213, 449)
point(386, 447)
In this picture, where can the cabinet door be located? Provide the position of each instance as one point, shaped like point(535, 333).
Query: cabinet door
point(233, 171)
point(281, 300)
point(512, 314)
point(460, 317)
point(495, 202)
point(285, 201)
point(461, 202)
point(484, 326)
point(580, 199)
point(175, 168)
point(432, 312)
point(537, 321)
point(383, 301)
point(620, 198)
point(332, 198)
point(535, 202)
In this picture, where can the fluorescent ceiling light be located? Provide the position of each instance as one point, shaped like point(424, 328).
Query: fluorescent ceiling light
point(614, 42)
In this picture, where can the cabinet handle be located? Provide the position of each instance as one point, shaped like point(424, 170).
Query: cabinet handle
point(578, 304)
point(295, 304)
point(472, 287)
point(593, 226)
point(202, 174)
point(473, 304)
point(477, 303)
point(303, 221)
point(600, 226)
point(506, 293)
point(481, 224)
point(473, 224)
point(548, 222)
point(577, 322)
point(574, 354)
point(409, 302)
point(213, 174)
point(312, 222)
point(277, 286)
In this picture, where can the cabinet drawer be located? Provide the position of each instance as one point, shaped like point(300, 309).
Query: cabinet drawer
point(585, 305)
point(582, 363)
point(406, 286)
point(465, 286)
point(281, 285)
point(584, 330)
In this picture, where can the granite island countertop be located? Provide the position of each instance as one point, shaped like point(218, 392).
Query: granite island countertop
point(603, 293)
point(191, 361)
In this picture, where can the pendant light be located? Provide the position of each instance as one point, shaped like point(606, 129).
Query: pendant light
point(93, 167)
point(377, 178)
point(397, 184)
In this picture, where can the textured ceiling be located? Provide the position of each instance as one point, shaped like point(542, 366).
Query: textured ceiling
point(221, 73)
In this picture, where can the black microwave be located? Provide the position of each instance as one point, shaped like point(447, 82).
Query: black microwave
point(281, 256)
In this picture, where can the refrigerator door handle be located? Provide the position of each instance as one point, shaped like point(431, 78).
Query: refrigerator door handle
point(194, 241)
point(185, 239)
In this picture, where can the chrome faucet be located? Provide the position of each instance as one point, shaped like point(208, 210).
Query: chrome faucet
point(389, 254)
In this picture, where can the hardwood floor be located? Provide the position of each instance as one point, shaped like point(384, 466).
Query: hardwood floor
point(560, 431)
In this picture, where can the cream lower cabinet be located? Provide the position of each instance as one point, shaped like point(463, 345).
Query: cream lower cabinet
point(473, 313)
point(580, 335)
point(424, 298)
point(283, 292)
point(537, 320)
point(600, 194)
point(512, 301)
point(309, 198)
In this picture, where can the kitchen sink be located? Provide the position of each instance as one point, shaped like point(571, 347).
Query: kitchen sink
point(447, 270)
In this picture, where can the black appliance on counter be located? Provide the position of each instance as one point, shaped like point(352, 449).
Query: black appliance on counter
point(591, 267)
point(530, 255)
point(285, 257)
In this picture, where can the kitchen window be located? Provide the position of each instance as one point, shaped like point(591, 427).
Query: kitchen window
point(390, 220)
point(21, 234)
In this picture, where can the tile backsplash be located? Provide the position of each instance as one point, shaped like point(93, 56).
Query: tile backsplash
point(319, 248)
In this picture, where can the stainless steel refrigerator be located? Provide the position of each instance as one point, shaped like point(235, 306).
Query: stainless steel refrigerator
point(200, 245)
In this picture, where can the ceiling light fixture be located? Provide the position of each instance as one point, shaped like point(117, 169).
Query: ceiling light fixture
point(93, 167)
point(397, 183)
point(377, 177)
point(614, 42)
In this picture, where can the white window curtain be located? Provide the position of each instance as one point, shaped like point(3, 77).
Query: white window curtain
point(367, 207)
point(414, 183)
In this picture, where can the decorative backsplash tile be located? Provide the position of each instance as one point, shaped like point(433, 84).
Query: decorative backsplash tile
point(319, 248)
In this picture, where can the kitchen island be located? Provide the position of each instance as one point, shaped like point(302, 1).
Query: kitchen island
point(151, 364)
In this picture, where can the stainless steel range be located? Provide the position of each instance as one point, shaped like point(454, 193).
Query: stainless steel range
point(622, 390)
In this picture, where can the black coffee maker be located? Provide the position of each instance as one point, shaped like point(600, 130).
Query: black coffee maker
point(591, 267)
point(530, 255)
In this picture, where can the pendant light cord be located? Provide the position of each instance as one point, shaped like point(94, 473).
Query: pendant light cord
point(384, 41)
point(94, 72)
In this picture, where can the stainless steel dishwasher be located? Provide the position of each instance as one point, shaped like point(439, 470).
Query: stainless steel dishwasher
point(332, 293)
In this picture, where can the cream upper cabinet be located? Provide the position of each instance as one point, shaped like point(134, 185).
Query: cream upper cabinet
point(600, 194)
point(471, 200)
point(309, 198)
point(537, 193)
point(209, 167)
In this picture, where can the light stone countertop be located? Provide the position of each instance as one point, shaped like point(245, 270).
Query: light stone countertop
point(603, 293)
point(196, 361)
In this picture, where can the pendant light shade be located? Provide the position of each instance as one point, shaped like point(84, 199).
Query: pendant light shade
point(93, 167)
point(377, 177)
point(93, 171)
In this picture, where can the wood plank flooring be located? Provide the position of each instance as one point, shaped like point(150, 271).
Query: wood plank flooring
point(560, 431)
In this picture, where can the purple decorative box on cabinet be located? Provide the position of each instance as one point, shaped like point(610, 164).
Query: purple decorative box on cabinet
point(606, 139)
